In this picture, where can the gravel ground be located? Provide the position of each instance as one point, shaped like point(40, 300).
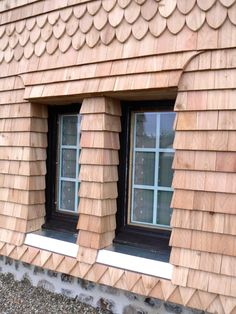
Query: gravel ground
point(21, 297)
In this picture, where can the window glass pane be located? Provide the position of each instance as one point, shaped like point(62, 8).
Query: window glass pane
point(69, 130)
point(67, 201)
point(68, 165)
point(143, 206)
point(144, 168)
point(165, 169)
point(166, 130)
point(152, 157)
point(163, 208)
point(145, 130)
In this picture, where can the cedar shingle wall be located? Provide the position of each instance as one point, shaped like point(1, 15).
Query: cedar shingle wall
point(203, 237)
point(50, 27)
point(78, 48)
point(100, 127)
point(23, 141)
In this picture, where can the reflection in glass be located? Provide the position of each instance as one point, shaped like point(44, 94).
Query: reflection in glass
point(165, 175)
point(146, 130)
point(68, 168)
point(163, 208)
point(143, 206)
point(67, 195)
point(144, 168)
point(69, 130)
point(166, 130)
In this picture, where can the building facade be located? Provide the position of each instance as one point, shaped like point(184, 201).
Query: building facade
point(89, 92)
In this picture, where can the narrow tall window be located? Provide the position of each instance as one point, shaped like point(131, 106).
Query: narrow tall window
point(68, 163)
point(151, 173)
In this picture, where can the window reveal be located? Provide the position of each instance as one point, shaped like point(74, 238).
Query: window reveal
point(151, 174)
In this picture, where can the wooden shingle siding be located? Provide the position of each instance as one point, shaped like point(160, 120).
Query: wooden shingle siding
point(106, 22)
point(67, 51)
point(100, 127)
point(203, 235)
point(118, 278)
point(23, 140)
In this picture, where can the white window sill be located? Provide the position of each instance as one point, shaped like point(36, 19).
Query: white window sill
point(110, 258)
point(52, 245)
point(136, 264)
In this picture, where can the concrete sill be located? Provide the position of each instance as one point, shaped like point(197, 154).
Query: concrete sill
point(107, 257)
point(52, 244)
point(135, 263)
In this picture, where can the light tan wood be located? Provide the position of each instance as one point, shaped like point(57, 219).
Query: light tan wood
point(67, 264)
point(96, 173)
point(21, 211)
point(96, 272)
point(22, 197)
point(28, 183)
point(93, 156)
point(23, 167)
point(54, 261)
point(42, 258)
point(198, 121)
point(205, 140)
point(155, 287)
point(100, 122)
point(196, 160)
point(25, 139)
point(96, 139)
point(100, 105)
point(111, 276)
point(9, 236)
point(20, 225)
point(216, 16)
point(96, 224)
point(87, 255)
point(131, 50)
point(205, 221)
point(94, 190)
point(22, 153)
point(95, 240)
point(97, 207)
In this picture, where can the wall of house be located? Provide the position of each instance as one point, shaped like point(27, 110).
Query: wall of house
point(101, 52)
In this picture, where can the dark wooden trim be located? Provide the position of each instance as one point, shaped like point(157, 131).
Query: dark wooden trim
point(56, 220)
point(125, 233)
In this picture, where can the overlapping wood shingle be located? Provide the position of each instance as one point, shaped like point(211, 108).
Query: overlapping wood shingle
point(101, 22)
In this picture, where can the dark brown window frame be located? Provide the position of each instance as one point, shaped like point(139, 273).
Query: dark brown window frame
point(153, 239)
point(56, 220)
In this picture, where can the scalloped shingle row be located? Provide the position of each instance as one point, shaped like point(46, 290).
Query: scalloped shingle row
point(103, 21)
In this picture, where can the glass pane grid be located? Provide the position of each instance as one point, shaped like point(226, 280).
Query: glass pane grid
point(68, 181)
point(162, 136)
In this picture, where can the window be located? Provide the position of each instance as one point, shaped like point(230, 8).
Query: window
point(147, 147)
point(68, 163)
point(63, 168)
point(151, 174)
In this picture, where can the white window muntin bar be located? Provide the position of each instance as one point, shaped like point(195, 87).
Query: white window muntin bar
point(152, 187)
point(153, 150)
